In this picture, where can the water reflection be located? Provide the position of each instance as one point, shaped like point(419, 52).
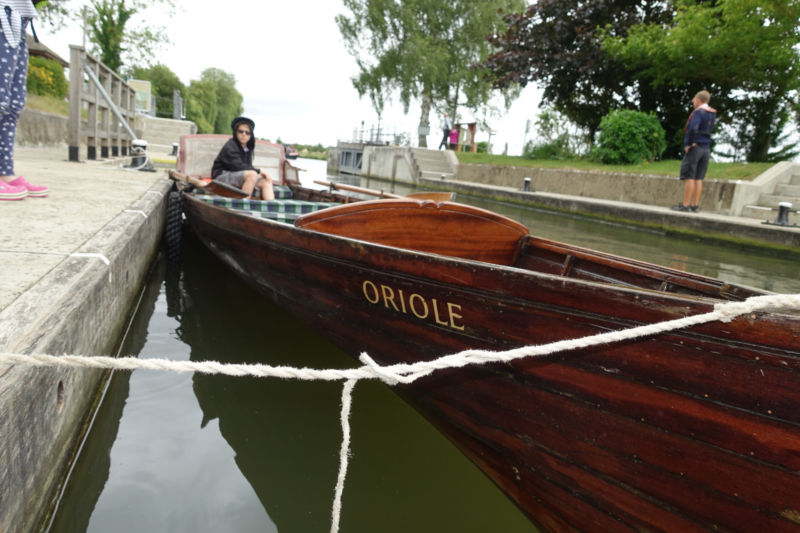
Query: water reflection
point(91, 471)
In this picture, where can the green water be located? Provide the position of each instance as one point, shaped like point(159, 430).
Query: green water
point(191, 453)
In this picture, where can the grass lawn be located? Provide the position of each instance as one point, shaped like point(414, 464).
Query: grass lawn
point(726, 171)
point(47, 104)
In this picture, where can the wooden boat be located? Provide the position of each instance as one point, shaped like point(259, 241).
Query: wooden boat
point(693, 430)
point(291, 152)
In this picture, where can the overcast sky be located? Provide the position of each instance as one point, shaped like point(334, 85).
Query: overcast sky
point(292, 68)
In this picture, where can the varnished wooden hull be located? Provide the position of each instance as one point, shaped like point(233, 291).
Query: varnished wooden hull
point(688, 431)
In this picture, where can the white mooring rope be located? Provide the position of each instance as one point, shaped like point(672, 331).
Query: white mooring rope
point(405, 372)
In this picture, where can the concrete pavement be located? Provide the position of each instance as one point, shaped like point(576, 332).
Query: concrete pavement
point(39, 234)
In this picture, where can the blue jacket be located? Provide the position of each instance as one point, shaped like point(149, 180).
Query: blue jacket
point(699, 126)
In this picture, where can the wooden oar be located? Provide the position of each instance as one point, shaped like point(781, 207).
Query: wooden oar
point(435, 196)
point(214, 187)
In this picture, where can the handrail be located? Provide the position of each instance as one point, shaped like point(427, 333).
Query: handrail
point(92, 103)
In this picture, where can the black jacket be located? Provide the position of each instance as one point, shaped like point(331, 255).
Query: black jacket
point(232, 157)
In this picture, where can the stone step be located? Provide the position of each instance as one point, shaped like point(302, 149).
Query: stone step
point(431, 158)
point(795, 179)
point(432, 163)
point(788, 190)
point(767, 214)
point(772, 200)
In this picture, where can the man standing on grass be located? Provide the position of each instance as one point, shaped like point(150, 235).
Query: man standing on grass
point(697, 150)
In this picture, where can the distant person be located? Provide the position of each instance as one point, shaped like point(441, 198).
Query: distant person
point(446, 127)
point(697, 151)
point(15, 16)
point(234, 164)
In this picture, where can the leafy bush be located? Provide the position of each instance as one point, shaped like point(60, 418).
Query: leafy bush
point(555, 149)
point(46, 78)
point(628, 137)
point(482, 147)
point(556, 140)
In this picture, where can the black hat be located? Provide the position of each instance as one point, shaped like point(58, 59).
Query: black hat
point(243, 120)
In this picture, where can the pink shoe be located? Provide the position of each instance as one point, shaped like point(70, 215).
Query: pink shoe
point(34, 191)
point(10, 192)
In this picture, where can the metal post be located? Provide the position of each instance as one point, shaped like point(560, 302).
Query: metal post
point(783, 213)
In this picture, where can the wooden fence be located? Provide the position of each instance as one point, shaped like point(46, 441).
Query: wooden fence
point(103, 124)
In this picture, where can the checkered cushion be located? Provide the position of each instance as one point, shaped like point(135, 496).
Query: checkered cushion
point(282, 192)
point(280, 210)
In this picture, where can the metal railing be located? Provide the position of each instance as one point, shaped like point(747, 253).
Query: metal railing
point(101, 108)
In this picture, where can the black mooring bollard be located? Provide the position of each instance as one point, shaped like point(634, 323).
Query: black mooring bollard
point(783, 213)
point(138, 153)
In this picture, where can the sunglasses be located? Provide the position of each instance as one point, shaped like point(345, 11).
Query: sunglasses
point(243, 131)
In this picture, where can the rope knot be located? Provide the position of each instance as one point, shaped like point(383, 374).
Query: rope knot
point(729, 310)
point(387, 376)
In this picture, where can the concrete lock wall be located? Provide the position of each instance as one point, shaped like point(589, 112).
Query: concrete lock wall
point(162, 131)
point(387, 163)
point(635, 188)
point(393, 163)
point(38, 128)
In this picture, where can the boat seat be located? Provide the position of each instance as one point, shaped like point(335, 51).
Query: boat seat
point(282, 210)
point(197, 154)
point(444, 228)
point(229, 191)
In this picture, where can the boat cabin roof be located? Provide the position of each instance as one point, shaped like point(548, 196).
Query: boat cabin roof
point(444, 228)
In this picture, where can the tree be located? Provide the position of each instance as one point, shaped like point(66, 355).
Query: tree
point(107, 30)
point(201, 105)
point(747, 53)
point(52, 12)
point(229, 100)
point(212, 102)
point(111, 27)
point(423, 49)
point(164, 82)
point(554, 44)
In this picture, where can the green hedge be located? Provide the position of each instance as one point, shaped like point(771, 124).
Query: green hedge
point(46, 78)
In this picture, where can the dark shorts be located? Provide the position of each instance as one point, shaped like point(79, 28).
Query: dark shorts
point(695, 163)
point(235, 178)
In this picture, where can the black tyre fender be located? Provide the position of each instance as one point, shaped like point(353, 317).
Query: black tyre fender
point(173, 231)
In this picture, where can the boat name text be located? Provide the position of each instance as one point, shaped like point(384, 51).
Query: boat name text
point(443, 313)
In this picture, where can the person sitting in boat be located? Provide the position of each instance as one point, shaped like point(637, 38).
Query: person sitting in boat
point(234, 163)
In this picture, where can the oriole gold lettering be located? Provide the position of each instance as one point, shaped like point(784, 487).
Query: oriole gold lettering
point(447, 314)
point(436, 313)
point(418, 314)
point(453, 315)
point(402, 301)
point(369, 288)
point(388, 297)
